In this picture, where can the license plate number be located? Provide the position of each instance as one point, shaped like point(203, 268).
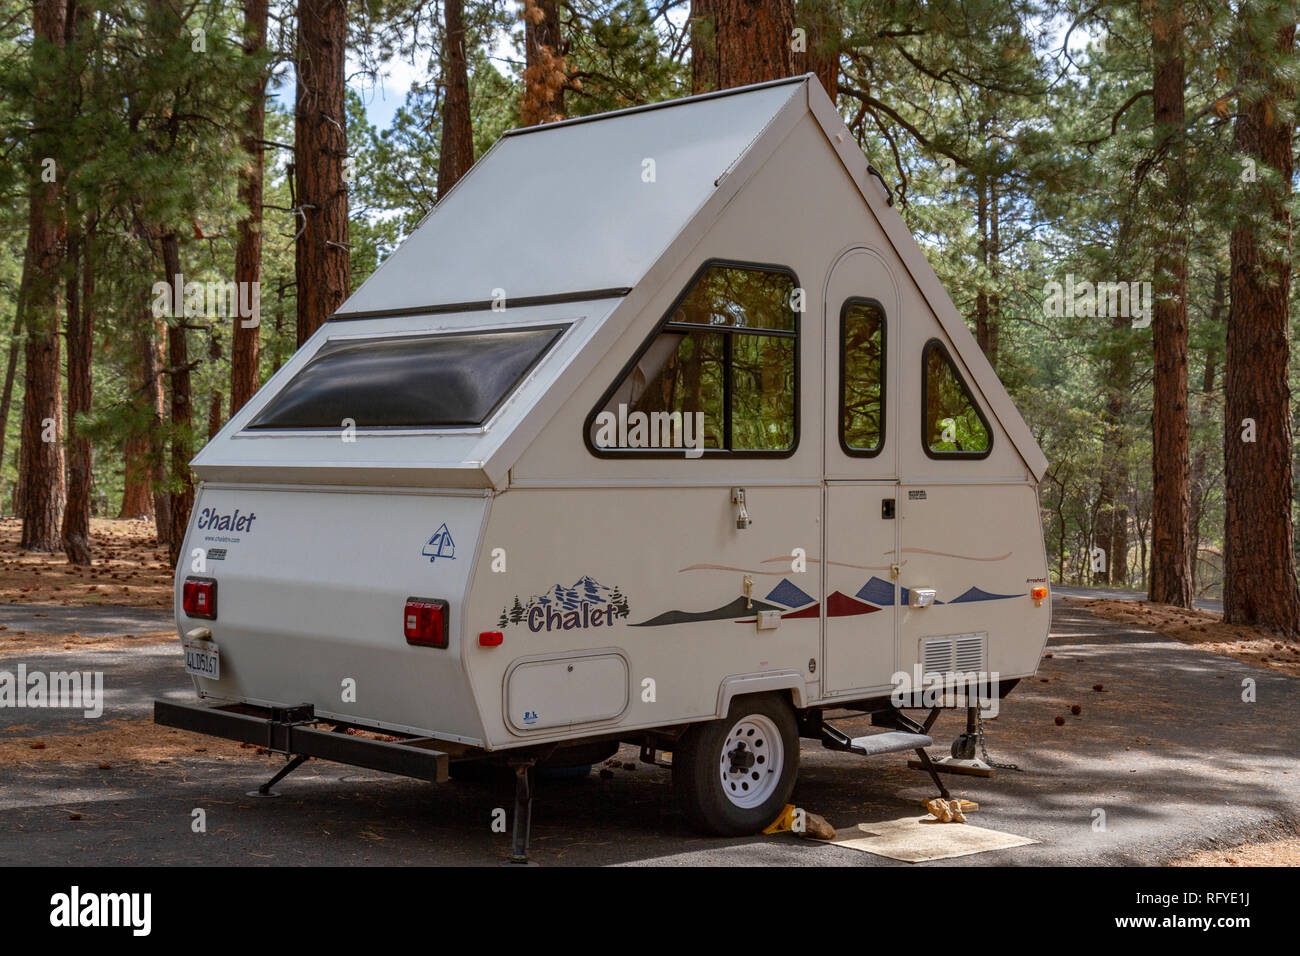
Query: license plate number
point(203, 660)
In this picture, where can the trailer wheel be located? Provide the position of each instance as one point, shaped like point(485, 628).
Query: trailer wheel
point(734, 776)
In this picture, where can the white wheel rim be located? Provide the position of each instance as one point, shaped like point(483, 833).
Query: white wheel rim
point(752, 761)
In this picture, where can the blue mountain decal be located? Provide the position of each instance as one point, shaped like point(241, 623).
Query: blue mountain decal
point(877, 591)
point(788, 594)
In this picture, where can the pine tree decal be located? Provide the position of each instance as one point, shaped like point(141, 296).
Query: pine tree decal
point(516, 611)
point(504, 619)
point(619, 602)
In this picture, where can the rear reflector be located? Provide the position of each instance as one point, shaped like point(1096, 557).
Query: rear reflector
point(426, 622)
point(199, 597)
point(490, 638)
point(1038, 594)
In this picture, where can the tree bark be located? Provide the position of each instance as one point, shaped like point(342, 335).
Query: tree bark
point(137, 495)
point(11, 372)
point(152, 345)
point(544, 66)
point(1200, 478)
point(321, 266)
point(456, 151)
point(181, 482)
point(1259, 555)
point(704, 47)
point(753, 41)
point(1171, 573)
point(821, 20)
point(81, 339)
point(246, 335)
point(41, 465)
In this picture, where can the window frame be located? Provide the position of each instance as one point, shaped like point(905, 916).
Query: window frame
point(727, 331)
point(564, 327)
point(850, 450)
point(931, 345)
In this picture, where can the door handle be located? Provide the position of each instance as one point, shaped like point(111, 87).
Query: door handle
point(743, 520)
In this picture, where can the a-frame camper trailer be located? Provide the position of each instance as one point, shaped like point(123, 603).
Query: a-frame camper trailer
point(659, 429)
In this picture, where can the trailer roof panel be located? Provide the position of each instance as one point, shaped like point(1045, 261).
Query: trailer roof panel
point(582, 205)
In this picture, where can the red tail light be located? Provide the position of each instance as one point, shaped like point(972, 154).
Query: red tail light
point(426, 622)
point(199, 597)
point(490, 638)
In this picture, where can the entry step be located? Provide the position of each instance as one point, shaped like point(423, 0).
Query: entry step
point(891, 742)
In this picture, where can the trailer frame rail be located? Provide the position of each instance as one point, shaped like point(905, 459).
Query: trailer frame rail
point(292, 731)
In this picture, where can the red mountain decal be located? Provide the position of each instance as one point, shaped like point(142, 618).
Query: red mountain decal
point(840, 604)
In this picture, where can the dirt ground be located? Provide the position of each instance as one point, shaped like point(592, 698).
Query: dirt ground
point(1285, 852)
point(128, 568)
point(117, 741)
point(1205, 629)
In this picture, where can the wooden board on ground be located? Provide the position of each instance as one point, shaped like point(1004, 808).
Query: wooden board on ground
point(953, 768)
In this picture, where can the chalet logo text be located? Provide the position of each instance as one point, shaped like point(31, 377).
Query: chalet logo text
point(586, 604)
point(210, 519)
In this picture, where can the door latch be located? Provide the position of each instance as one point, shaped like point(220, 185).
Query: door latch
point(743, 520)
point(887, 508)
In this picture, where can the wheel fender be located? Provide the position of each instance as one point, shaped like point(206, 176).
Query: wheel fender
point(742, 684)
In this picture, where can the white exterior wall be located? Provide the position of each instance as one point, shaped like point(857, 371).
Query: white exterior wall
point(647, 525)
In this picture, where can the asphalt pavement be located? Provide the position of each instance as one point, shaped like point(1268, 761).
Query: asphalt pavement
point(1165, 759)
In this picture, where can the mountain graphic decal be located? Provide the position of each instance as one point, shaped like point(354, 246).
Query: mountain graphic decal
point(575, 601)
point(735, 609)
point(789, 594)
point(975, 594)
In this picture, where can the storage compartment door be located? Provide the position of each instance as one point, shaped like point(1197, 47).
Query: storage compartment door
point(563, 691)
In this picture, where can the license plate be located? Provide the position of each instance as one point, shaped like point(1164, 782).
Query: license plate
point(203, 659)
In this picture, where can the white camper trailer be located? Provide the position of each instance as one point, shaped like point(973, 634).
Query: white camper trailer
point(659, 429)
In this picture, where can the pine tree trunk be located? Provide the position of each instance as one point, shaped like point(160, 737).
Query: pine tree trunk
point(321, 265)
point(137, 496)
point(152, 335)
point(821, 19)
point(41, 463)
point(181, 482)
point(11, 372)
point(544, 67)
point(704, 46)
point(1200, 479)
point(456, 151)
point(81, 338)
point(753, 41)
point(1113, 536)
point(1171, 573)
point(1259, 555)
point(246, 335)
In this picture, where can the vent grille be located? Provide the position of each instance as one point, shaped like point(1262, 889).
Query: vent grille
point(954, 653)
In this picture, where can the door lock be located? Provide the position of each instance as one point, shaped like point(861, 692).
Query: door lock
point(886, 509)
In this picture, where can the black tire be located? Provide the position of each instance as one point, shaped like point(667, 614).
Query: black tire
point(697, 768)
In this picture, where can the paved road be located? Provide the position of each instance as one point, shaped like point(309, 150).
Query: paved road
point(1113, 594)
point(1167, 751)
point(103, 621)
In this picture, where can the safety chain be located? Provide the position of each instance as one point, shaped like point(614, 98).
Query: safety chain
point(984, 751)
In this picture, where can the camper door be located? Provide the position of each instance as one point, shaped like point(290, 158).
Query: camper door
point(860, 582)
